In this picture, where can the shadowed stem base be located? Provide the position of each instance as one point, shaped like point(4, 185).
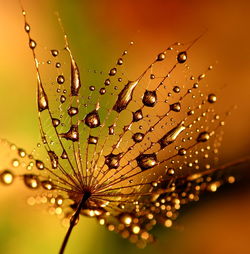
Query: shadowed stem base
point(73, 221)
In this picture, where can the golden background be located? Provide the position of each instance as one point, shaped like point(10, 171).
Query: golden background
point(98, 32)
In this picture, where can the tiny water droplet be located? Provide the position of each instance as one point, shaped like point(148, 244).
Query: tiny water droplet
point(138, 137)
point(112, 72)
point(161, 57)
point(120, 61)
point(53, 159)
point(92, 140)
point(137, 115)
point(27, 27)
point(182, 151)
point(212, 98)
point(72, 111)
point(31, 181)
point(47, 185)
point(60, 79)
point(176, 107)
point(203, 137)
point(32, 44)
point(113, 160)
point(6, 177)
point(55, 122)
point(39, 165)
point(62, 98)
point(182, 57)
point(54, 52)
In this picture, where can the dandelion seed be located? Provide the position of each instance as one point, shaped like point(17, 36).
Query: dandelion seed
point(133, 154)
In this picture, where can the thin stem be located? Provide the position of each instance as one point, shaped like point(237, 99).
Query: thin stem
point(73, 220)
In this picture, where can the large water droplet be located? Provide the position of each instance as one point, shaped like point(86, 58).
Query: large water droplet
point(146, 161)
point(72, 134)
point(113, 160)
point(92, 119)
point(125, 96)
point(149, 98)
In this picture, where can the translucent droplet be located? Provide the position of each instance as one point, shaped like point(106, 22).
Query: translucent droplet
point(47, 185)
point(75, 78)
point(32, 44)
point(39, 165)
point(62, 98)
point(126, 219)
point(55, 122)
point(125, 96)
point(137, 115)
point(60, 79)
point(27, 27)
point(182, 57)
point(92, 140)
point(176, 89)
point(72, 134)
point(182, 151)
point(102, 91)
point(146, 161)
point(107, 82)
point(112, 72)
point(149, 98)
point(53, 159)
point(21, 153)
point(92, 119)
point(120, 61)
point(15, 163)
point(203, 137)
point(6, 177)
point(212, 98)
point(113, 160)
point(31, 181)
point(72, 111)
point(138, 137)
point(64, 155)
point(176, 107)
point(54, 52)
point(161, 57)
point(171, 136)
point(58, 65)
point(42, 98)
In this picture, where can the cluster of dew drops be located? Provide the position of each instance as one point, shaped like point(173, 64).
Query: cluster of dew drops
point(143, 156)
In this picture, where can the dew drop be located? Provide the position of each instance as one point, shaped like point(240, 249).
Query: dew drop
point(176, 89)
point(15, 163)
point(39, 165)
point(72, 134)
point(182, 151)
point(53, 159)
point(54, 52)
point(111, 130)
point(60, 79)
point(113, 160)
point(102, 91)
point(120, 61)
point(6, 177)
point(64, 155)
point(161, 57)
point(47, 185)
point(92, 119)
point(75, 77)
point(27, 27)
point(55, 122)
point(58, 65)
point(125, 96)
point(107, 82)
point(112, 72)
point(92, 140)
point(31, 181)
point(32, 44)
point(203, 137)
point(176, 107)
point(182, 57)
point(149, 98)
point(146, 161)
point(72, 111)
point(42, 98)
point(137, 115)
point(171, 136)
point(138, 137)
point(62, 98)
point(212, 98)
point(21, 153)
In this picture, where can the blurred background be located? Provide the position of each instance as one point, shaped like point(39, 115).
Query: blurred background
point(99, 31)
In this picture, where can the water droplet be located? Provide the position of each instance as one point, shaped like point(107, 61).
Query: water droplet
point(55, 122)
point(137, 115)
point(92, 88)
point(15, 163)
point(203, 137)
point(176, 107)
point(171, 136)
point(149, 98)
point(161, 57)
point(58, 65)
point(146, 161)
point(32, 44)
point(212, 98)
point(39, 165)
point(54, 52)
point(72, 111)
point(72, 134)
point(75, 78)
point(92, 119)
point(182, 151)
point(60, 79)
point(107, 82)
point(92, 140)
point(120, 61)
point(113, 160)
point(182, 57)
point(176, 89)
point(42, 98)
point(27, 27)
point(111, 130)
point(47, 185)
point(31, 181)
point(21, 153)
point(102, 91)
point(126, 219)
point(53, 159)
point(125, 96)
point(6, 177)
point(138, 137)
point(62, 98)
point(64, 155)
point(112, 72)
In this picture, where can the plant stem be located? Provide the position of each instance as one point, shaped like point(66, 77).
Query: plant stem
point(73, 220)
